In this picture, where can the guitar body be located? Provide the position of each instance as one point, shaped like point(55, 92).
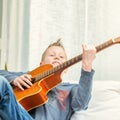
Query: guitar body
point(37, 94)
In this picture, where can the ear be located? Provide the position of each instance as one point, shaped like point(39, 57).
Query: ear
point(41, 63)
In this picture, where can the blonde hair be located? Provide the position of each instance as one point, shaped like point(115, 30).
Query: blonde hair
point(57, 43)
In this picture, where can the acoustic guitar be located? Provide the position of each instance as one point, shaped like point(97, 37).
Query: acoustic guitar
point(46, 78)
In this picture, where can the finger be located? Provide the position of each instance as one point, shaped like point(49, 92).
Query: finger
point(24, 84)
point(28, 76)
point(26, 79)
point(28, 82)
point(20, 86)
point(84, 46)
point(17, 84)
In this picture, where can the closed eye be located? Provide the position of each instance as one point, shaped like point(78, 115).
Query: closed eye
point(51, 55)
point(62, 57)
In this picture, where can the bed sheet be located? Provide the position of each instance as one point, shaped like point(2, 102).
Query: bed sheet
point(104, 104)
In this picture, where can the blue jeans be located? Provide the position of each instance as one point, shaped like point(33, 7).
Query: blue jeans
point(10, 109)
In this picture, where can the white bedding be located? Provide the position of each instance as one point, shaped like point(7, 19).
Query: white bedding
point(105, 102)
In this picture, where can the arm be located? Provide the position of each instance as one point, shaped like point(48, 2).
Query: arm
point(81, 93)
point(10, 76)
point(18, 79)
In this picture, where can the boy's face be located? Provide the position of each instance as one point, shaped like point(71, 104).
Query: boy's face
point(54, 55)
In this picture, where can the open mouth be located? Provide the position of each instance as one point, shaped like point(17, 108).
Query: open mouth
point(55, 63)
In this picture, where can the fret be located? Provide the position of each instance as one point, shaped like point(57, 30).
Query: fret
point(104, 45)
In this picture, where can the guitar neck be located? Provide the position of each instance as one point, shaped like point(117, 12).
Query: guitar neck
point(105, 45)
point(77, 59)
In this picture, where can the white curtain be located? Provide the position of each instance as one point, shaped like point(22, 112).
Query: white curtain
point(15, 35)
point(33, 24)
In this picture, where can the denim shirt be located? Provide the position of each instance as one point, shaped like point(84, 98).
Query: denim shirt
point(64, 99)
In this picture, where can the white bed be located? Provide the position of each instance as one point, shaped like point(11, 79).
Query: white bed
point(105, 102)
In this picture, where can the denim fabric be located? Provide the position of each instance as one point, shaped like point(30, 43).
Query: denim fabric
point(10, 109)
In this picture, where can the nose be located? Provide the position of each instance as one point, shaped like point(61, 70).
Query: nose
point(57, 57)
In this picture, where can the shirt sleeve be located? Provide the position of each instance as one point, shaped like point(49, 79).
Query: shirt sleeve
point(10, 76)
point(81, 93)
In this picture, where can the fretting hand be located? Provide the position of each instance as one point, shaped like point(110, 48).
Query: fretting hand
point(89, 52)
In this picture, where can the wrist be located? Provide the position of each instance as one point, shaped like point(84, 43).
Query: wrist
point(87, 67)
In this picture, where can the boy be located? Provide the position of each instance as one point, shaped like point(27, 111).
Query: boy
point(65, 98)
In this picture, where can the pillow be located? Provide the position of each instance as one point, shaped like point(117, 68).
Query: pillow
point(104, 104)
